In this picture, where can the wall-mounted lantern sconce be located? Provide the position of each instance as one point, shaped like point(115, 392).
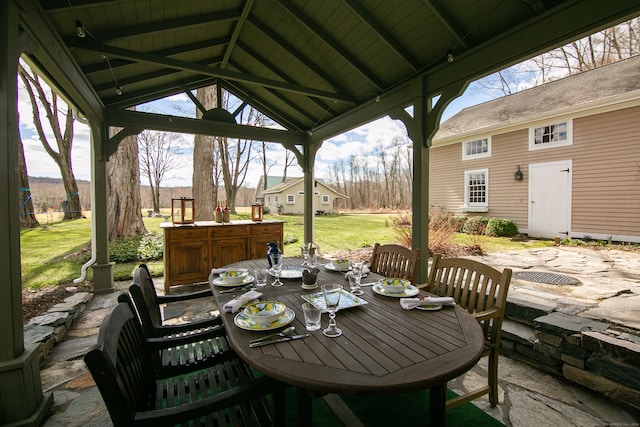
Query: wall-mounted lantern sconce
point(518, 176)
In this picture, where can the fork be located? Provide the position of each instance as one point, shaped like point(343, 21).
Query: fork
point(241, 288)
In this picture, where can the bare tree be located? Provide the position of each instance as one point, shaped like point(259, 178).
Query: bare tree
point(604, 47)
point(64, 140)
point(124, 210)
point(27, 215)
point(159, 153)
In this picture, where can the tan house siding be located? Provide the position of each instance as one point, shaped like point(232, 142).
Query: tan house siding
point(507, 198)
point(606, 174)
point(605, 157)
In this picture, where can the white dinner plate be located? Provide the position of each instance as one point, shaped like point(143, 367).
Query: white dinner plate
point(288, 272)
point(429, 307)
point(411, 291)
point(242, 321)
point(331, 267)
point(219, 282)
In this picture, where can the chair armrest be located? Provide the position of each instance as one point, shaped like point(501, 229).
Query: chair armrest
point(160, 343)
point(201, 334)
point(486, 314)
point(184, 328)
point(163, 299)
point(222, 400)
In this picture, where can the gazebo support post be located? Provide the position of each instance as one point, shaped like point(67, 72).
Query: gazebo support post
point(22, 402)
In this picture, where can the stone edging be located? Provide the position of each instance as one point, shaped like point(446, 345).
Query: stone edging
point(51, 328)
point(591, 353)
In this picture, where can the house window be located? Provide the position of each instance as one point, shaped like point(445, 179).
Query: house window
point(291, 199)
point(316, 193)
point(268, 199)
point(551, 135)
point(325, 199)
point(476, 149)
point(300, 193)
point(476, 190)
point(275, 199)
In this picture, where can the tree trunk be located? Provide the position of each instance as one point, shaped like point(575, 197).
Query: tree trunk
point(204, 190)
point(27, 215)
point(124, 210)
point(64, 141)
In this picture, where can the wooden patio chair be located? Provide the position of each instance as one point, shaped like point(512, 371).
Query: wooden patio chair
point(226, 394)
point(395, 261)
point(189, 346)
point(482, 291)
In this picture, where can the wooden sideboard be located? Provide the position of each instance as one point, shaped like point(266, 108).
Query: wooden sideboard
point(191, 251)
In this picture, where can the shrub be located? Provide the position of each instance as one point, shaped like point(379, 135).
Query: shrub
point(151, 247)
point(402, 226)
point(266, 210)
point(457, 223)
point(123, 250)
point(475, 225)
point(501, 227)
point(289, 239)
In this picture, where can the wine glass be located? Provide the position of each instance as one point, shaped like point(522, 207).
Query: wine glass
point(276, 265)
point(332, 299)
point(356, 277)
point(304, 249)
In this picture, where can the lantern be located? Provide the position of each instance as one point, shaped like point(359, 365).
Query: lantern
point(182, 210)
point(256, 212)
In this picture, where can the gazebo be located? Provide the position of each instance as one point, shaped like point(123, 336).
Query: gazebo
point(318, 69)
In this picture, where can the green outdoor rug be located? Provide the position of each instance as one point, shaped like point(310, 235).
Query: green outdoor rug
point(400, 409)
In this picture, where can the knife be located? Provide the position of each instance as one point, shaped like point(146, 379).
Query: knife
point(283, 339)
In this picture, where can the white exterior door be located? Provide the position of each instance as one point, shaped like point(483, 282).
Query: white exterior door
point(550, 199)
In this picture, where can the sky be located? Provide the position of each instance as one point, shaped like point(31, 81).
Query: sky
point(360, 141)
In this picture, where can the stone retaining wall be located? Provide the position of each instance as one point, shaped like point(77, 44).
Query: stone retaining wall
point(555, 338)
point(51, 328)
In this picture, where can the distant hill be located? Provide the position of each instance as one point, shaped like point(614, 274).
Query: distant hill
point(48, 193)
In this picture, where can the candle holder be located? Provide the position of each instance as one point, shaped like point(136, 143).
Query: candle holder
point(182, 210)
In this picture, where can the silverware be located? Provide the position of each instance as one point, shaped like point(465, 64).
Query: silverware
point(283, 339)
point(241, 288)
point(283, 333)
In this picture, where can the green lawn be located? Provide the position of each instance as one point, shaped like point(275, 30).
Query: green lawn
point(50, 253)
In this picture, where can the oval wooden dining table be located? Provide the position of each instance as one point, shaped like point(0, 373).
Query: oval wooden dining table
point(383, 348)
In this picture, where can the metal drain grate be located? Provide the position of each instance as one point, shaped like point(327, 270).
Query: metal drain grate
point(546, 278)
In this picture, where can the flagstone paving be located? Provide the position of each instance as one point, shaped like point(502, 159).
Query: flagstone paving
point(609, 283)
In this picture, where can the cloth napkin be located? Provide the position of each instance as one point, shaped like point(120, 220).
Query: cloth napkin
point(411, 303)
point(236, 303)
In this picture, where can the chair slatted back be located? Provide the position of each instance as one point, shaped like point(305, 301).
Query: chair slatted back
point(144, 295)
point(477, 287)
point(121, 350)
point(395, 261)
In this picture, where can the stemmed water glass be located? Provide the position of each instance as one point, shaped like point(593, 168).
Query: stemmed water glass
point(305, 249)
point(356, 277)
point(332, 299)
point(276, 265)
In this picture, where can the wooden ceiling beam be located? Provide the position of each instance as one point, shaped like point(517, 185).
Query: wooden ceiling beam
point(306, 60)
point(161, 26)
point(332, 43)
point(136, 56)
point(383, 34)
point(160, 122)
point(175, 50)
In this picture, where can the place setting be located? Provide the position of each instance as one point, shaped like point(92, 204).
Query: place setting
point(426, 303)
point(395, 287)
point(233, 280)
